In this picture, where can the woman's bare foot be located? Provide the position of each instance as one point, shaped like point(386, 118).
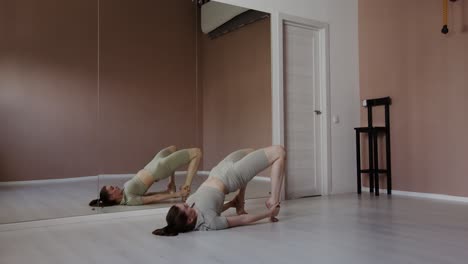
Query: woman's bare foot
point(270, 203)
point(239, 205)
point(171, 188)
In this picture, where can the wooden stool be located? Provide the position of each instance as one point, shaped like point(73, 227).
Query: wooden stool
point(373, 133)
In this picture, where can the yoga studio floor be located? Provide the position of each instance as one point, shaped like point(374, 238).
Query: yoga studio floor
point(335, 229)
point(39, 200)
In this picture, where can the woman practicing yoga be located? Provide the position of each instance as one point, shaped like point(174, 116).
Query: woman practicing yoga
point(202, 209)
point(162, 166)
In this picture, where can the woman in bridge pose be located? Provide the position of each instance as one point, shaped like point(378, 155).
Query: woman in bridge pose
point(161, 167)
point(203, 209)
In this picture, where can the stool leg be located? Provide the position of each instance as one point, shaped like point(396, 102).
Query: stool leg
point(376, 164)
point(389, 163)
point(388, 155)
point(358, 161)
point(371, 163)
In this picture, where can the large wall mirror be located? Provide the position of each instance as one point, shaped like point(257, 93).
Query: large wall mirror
point(48, 108)
point(92, 90)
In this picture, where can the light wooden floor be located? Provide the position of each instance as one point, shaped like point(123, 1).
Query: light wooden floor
point(338, 229)
point(39, 201)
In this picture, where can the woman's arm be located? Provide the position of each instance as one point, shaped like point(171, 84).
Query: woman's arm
point(228, 205)
point(246, 219)
point(153, 193)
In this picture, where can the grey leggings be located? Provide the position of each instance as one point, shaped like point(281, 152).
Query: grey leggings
point(165, 163)
point(238, 168)
point(162, 166)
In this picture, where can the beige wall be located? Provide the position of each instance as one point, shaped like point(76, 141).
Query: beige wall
point(403, 55)
point(235, 72)
point(48, 85)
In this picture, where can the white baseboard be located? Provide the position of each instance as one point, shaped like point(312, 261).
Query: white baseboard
point(47, 181)
point(423, 195)
point(84, 178)
point(262, 178)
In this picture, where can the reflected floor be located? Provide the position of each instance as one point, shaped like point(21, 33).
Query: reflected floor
point(56, 199)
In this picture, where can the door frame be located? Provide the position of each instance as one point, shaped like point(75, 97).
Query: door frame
point(277, 26)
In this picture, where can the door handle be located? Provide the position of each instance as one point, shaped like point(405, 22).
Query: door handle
point(318, 112)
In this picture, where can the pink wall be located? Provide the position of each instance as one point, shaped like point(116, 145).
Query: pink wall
point(235, 73)
point(403, 55)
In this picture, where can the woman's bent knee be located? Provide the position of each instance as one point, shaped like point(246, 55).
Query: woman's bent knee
point(279, 151)
point(275, 152)
point(172, 148)
point(195, 153)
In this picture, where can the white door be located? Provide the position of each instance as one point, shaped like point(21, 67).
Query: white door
point(302, 110)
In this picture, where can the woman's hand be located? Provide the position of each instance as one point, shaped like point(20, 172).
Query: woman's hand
point(184, 192)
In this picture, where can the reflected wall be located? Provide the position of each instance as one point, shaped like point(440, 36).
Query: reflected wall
point(48, 107)
point(48, 78)
point(148, 95)
point(235, 73)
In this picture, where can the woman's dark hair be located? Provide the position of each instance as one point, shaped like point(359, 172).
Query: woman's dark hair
point(176, 223)
point(104, 199)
